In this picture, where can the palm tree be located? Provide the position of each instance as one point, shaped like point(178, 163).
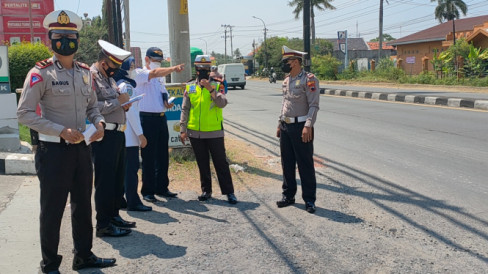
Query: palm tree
point(318, 4)
point(449, 10)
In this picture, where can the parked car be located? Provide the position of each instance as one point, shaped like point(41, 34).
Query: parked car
point(234, 74)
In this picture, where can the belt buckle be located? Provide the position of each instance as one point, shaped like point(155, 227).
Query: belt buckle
point(123, 127)
point(161, 114)
point(287, 120)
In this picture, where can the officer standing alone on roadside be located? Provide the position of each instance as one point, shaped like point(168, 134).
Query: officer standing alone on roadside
point(109, 154)
point(62, 88)
point(155, 156)
point(295, 129)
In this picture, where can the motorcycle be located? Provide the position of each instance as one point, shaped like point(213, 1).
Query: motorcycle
point(272, 77)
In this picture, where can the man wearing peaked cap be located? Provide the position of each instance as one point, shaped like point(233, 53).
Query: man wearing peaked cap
point(109, 154)
point(295, 129)
point(152, 107)
point(62, 89)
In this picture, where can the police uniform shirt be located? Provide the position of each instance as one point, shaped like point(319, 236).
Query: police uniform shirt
point(107, 94)
point(65, 96)
point(299, 99)
point(134, 128)
point(153, 89)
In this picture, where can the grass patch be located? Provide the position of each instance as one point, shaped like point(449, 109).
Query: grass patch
point(259, 169)
point(24, 133)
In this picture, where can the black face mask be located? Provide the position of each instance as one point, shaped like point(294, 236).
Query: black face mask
point(203, 74)
point(111, 71)
point(285, 67)
point(64, 46)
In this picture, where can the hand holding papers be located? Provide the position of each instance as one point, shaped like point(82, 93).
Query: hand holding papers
point(170, 100)
point(133, 99)
point(89, 132)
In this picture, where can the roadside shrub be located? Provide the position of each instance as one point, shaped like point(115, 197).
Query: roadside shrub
point(325, 66)
point(21, 58)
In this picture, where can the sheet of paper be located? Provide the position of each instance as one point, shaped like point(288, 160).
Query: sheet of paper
point(170, 100)
point(88, 133)
point(133, 99)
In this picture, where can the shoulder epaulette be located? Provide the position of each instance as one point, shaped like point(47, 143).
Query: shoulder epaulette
point(191, 81)
point(83, 65)
point(44, 63)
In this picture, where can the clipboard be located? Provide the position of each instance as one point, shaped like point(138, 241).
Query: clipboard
point(133, 99)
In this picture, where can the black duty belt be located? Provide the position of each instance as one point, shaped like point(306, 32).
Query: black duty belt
point(153, 114)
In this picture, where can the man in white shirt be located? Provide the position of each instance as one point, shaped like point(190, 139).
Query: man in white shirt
point(155, 157)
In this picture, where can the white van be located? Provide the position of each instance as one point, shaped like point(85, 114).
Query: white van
point(234, 74)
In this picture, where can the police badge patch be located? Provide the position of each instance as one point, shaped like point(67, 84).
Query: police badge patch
point(35, 78)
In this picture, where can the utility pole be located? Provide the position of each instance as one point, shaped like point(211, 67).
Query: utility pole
point(120, 42)
point(225, 34)
point(179, 37)
point(253, 56)
point(127, 24)
point(306, 34)
point(30, 23)
point(265, 49)
point(225, 44)
point(381, 32)
point(110, 23)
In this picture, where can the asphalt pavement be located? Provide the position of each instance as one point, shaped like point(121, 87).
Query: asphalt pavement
point(19, 194)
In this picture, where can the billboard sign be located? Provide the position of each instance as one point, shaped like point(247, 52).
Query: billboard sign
point(4, 76)
point(173, 115)
point(21, 7)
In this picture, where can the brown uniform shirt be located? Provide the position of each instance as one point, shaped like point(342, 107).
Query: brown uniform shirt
point(107, 94)
point(65, 96)
point(299, 99)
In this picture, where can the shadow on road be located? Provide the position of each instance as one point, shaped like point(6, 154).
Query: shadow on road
point(387, 191)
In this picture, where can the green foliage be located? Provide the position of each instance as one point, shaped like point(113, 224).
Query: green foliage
point(325, 66)
point(24, 133)
point(386, 37)
point(88, 49)
point(476, 64)
point(22, 57)
point(275, 44)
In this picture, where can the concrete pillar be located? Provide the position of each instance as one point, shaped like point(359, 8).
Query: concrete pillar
point(9, 126)
point(373, 65)
point(179, 39)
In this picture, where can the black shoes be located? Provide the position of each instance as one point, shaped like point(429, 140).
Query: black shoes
point(167, 194)
point(285, 202)
point(150, 198)
point(119, 222)
point(205, 196)
point(112, 231)
point(140, 207)
point(310, 207)
point(232, 198)
point(92, 261)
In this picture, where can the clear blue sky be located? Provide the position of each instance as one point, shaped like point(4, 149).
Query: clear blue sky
point(149, 21)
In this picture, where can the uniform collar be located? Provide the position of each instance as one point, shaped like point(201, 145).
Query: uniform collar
point(299, 75)
point(60, 67)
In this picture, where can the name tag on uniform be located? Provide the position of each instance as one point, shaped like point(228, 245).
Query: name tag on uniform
point(297, 83)
point(85, 79)
point(193, 89)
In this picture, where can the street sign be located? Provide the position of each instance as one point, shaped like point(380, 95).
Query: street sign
point(341, 35)
point(410, 60)
point(173, 114)
point(4, 76)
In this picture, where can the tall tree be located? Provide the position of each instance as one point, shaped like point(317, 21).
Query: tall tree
point(449, 10)
point(314, 4)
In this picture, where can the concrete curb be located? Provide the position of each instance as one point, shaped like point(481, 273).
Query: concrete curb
point(19, 162)
point(481, 104)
